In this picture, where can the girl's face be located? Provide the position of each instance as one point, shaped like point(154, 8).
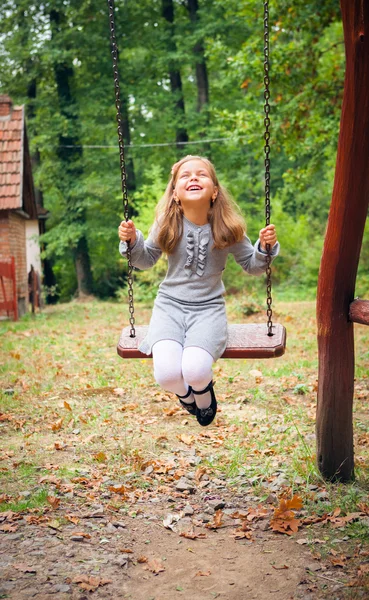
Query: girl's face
point(194, 184)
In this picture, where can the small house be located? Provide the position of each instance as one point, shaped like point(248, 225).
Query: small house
point(21, 219)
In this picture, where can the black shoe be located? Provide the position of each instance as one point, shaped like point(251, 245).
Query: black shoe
point(206, 415)
point(190, 407)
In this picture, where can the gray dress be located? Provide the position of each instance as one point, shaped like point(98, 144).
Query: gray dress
point(189, 307)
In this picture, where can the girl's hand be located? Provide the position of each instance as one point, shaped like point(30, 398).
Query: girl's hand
point(127, 232)
point(268, 235)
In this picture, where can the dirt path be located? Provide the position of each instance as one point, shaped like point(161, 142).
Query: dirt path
point(136, 557)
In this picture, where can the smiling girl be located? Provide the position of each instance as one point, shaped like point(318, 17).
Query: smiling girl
point(197, 225)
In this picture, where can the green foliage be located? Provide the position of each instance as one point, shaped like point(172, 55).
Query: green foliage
point(82, 189)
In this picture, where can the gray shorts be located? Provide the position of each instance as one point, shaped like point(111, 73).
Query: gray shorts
point(201, 325)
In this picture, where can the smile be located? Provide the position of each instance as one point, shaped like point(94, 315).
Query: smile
point(193, 188)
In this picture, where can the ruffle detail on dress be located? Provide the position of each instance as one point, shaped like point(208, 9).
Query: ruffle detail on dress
point(190, 248)
point(203, 252)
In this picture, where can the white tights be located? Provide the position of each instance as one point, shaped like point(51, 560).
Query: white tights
point(176, 368)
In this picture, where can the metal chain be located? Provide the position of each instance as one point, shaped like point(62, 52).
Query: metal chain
point(118, 104)
point(269, 311)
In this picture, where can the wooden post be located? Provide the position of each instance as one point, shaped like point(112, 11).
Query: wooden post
point(14, 282)
point(337, 276)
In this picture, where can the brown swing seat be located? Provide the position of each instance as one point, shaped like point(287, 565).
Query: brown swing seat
point(249, 340)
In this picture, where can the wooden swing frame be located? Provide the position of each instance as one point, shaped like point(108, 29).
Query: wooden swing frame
point(337, 309)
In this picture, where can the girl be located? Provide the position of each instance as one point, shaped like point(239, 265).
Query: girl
point(197, 225)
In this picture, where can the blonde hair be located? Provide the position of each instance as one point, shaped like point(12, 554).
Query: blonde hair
point(227, 224)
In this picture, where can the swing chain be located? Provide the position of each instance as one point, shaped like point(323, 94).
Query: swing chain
point(118, 105)
point(269, 311)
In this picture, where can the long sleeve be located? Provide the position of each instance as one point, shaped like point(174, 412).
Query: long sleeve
point(251, 257)
point(144, 253)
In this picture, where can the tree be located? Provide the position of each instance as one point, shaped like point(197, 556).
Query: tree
point(174, 73)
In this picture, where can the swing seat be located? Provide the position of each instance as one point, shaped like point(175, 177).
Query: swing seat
point(244, 341)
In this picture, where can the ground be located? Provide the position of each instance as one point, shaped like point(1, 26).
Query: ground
point(110, 490)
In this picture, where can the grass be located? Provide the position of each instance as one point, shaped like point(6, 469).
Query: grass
point(71, 408)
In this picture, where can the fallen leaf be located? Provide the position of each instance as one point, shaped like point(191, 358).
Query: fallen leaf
point(25, 568)
point(57, 425)
point(72, 519)
point(192, 536)
point(284, 519)
point(89, 583)
point(8, 528)
point(82, 534)
point(186, 439)
point(54, 501)
point(55, 524)
point(240, 534)
point(155, 566)
point(67, 406)
point(338, 561)
point(171, 520)
point(217, 521)
point(202, 573)
point(100, 457)
point(257, 374)
point(142, 559)
point(118, 391)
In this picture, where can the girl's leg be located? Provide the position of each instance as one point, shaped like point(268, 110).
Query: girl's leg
point(167, 357)
point(197, 371)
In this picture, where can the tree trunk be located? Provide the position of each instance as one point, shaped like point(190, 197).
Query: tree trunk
point(70, 154)
point(131, 179)
point(200, 60)
point(336, 285)
point(175, 76)
point(49, 280)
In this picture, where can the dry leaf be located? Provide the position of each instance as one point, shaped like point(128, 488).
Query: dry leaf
point(338, 561)
point(24, 568)
point(54, 501)
point(118, 391)
point(82, 534)
point(155, 566)
point(89, 583)
point(60, 446)
point(192, 536)
point(57, 425)
point(200, 472)
point(142, 559)
point(217, 521)
point(100, 457)
point(67, 406)
point(202, 573)
point(119, 489)
point(171, 520)
point(72, 519)
point(186, 439)
point(284, 520)
point(257, 374)
point(8, 528)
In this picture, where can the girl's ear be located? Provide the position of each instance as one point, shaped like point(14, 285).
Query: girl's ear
point(215, 195)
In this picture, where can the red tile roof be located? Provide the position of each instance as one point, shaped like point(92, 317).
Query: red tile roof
point(11, 154)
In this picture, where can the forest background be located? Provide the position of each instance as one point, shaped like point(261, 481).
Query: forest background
point(191, 71)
